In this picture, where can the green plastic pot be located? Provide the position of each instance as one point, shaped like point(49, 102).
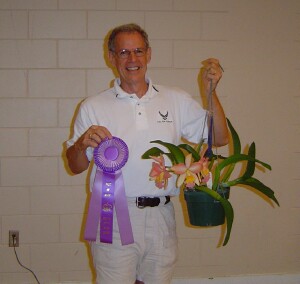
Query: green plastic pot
point(203, 210)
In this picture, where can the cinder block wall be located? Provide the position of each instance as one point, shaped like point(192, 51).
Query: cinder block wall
point(51, 57)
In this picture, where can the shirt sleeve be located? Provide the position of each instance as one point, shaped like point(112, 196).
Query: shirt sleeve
point(81, 124)
point(193, 120)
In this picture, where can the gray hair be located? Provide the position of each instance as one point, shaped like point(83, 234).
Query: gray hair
point(128, 28)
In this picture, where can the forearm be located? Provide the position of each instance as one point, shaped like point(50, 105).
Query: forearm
point(211, 75)
point(77, 159)
point(220, 129)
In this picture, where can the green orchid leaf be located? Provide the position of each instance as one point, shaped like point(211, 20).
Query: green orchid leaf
point(171, 157)
point(219, 157)
point(228, 172)
point(212, 160)
point(155, 152)
point(258, 185)
point(174, 150)
point(229, 214)
point(236, 149)
point(152, 152)
point(234, 159)
point(251, 164)
point(235, 138)
point(191, 150)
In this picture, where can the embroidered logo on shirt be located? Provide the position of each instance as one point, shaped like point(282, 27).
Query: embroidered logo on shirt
point(164, 116)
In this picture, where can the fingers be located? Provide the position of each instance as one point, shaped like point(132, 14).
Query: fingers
point(96, 134)
point(93, 136)
point(212, 73)
point(212, 62)
point(213, 69)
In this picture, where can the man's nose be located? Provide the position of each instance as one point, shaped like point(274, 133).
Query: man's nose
point(132, 56)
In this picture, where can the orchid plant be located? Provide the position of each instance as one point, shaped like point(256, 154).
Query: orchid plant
point(198, 171)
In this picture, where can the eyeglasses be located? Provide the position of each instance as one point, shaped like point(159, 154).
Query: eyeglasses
point(125, 53)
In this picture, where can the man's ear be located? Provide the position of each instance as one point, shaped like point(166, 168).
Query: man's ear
point(112, 58)
point(149, 52)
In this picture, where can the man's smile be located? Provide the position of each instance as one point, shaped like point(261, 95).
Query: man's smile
point(134, 68)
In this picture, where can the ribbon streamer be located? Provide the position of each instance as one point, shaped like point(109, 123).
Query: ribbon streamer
point(109, 193)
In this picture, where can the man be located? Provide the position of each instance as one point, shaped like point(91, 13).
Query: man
point(138, 111)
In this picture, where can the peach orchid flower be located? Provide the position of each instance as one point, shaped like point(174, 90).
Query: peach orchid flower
point(159, 172)
point(205, 173)
point(188, 172)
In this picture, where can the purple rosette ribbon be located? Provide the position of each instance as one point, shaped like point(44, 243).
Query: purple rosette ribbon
point(109, 193)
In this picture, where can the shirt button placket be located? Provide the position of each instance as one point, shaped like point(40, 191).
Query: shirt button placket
point(138, 109)
point(141, 119)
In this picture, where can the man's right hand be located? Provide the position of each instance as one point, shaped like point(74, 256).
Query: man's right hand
point(76, 154)
point(92, 137)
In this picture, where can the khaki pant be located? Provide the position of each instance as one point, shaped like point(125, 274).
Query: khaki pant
point(150, 259)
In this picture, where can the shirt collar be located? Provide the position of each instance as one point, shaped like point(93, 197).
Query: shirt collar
point(121, 94)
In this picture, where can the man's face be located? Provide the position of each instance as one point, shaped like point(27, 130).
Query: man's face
point(132, 69)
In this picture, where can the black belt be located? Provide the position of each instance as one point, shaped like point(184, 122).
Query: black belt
point(142, 202)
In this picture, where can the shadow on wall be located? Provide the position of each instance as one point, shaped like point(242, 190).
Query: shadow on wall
point(87, 189)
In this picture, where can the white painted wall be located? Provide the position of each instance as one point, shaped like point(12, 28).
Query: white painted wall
point(51, 58)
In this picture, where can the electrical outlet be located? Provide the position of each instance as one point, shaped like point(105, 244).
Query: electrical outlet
point(13, 238)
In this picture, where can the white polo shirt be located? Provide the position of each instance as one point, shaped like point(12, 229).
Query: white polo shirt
point(163, 113)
